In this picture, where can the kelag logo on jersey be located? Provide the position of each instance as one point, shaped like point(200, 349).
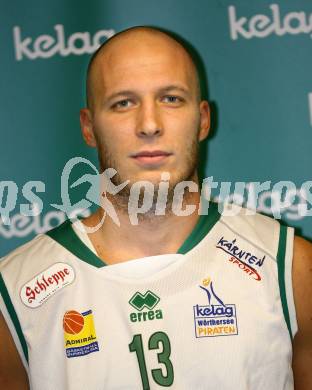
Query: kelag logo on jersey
point(145, 301)
point(214, 319)
point(79, 333)
point(244, 260)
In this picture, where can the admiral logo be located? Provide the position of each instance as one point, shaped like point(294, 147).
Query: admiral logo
point(217, 319)
point(261, 26)
point(147, 301)
point(244, 260)
point(79, 333)
point(43, 286)
point(46, 46)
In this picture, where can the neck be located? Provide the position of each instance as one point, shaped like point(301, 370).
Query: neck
point(152, 235)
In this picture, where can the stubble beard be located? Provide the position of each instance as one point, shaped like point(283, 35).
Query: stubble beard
point(121, 199)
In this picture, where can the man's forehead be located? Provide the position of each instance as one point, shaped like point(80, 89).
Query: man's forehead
point(141, 40)
point(143, 54)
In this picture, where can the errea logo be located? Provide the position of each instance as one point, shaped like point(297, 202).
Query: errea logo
point(148, 301)
point(46, 46)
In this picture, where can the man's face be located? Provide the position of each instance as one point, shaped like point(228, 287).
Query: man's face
point(147, 118)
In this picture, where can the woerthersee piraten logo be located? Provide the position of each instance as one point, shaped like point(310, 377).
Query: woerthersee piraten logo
point(216, 318)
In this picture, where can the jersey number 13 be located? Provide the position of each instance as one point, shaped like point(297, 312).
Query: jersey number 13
point(157, 341)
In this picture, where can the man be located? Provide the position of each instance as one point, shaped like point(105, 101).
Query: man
point(187, 302)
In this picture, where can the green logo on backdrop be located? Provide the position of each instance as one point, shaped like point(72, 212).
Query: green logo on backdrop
point(145, 301)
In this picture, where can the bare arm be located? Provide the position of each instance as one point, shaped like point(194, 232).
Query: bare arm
point(302, 285)
point(12, 372)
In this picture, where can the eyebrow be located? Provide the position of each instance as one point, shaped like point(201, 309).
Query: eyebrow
point(118, 94)
point(175, 87)
point(166, 89)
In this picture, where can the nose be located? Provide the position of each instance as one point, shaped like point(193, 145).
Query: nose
point(149, 122)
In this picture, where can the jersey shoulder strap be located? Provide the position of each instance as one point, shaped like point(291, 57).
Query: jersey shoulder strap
point(274, 238)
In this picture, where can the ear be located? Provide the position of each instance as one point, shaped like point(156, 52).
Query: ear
point(87, 128)
point(204, 120)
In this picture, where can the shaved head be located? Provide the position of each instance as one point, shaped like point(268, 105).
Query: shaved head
point(141, 39)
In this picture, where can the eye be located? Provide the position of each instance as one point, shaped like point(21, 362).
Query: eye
point(172, 99)
point(124, 103)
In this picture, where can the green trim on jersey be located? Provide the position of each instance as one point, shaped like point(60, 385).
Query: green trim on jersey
point(66, 236)
point(281, 273)
point(204, 224)
point(10, 308)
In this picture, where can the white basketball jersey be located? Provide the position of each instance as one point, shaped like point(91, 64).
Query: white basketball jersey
point(219, 314)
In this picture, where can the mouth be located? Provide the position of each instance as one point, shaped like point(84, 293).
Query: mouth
point(151, 157)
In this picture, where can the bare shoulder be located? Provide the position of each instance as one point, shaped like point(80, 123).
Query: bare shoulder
point(302, 287)
point(302, 280)
point(12, 372)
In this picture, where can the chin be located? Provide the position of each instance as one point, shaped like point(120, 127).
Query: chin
point(155, 176)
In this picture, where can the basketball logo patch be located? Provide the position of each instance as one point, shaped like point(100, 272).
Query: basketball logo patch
point(79, 333)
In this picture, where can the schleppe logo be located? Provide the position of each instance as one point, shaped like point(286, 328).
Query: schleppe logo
point(44, 285)
point(47, 46)
point(271, 23)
